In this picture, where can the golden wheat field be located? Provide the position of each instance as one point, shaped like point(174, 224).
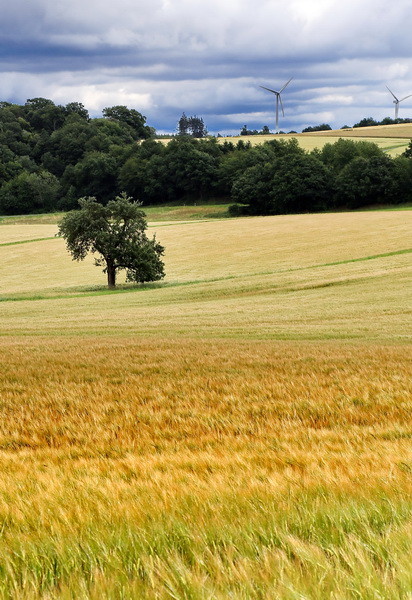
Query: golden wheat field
point(399, 130)
point(391, 145)
point(392, 139)
point(240, 430)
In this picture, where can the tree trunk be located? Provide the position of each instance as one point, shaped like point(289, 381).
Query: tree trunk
point(111, 276)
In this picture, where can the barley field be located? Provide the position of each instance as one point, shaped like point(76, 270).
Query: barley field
point(239, 430)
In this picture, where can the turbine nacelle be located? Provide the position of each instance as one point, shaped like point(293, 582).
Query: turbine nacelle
point(396, 101)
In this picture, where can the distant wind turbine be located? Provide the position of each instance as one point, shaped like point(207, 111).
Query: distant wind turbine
point(278, 100)
point(397, 101)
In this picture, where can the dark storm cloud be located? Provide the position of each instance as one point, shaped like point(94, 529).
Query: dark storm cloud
point(208, 58)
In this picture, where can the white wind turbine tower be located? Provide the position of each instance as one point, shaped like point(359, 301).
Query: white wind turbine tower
point(397, 101)
point(278, 100)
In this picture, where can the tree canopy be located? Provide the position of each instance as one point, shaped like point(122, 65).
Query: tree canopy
point(51, 155)
point(116, 233)
point(130, 118)
point(193, 126)
point(63, 146)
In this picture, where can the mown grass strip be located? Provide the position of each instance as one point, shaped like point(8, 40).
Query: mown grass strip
point(354, 260)
point(42, 239)
point(394, 147)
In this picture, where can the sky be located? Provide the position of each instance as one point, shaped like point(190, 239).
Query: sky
point(208, 58)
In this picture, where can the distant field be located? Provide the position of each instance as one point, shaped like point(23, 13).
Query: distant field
point(240, 430)
point(402, 131)
point(250, 262)
point(393, 139)
point(158, 213)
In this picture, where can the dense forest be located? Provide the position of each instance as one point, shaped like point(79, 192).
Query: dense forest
point(51, 155)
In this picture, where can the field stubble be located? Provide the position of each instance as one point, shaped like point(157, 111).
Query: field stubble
point(168, 443)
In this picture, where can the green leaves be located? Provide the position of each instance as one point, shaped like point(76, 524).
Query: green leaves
point(116, 233)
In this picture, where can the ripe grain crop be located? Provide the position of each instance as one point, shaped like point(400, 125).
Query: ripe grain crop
point(21, 232)
point(399, 131)
point(392, 145)
point(299, 277)
point(241, 430)
point(393, 139)
point(208, 468)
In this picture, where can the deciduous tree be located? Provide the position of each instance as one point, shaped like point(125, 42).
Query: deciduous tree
point(131, 118)
point(116, 234)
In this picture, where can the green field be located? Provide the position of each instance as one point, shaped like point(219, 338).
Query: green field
point(239, 430)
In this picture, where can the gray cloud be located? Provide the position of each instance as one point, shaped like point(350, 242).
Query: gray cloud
point(208, 58)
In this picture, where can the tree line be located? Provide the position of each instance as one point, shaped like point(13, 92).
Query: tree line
point(345, 174)
point(52, 155)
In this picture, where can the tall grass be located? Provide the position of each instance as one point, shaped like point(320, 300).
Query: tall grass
point(241, 431)
point(204, 469)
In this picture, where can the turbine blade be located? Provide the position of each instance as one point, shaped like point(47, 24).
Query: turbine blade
point(405, 98)
point(287, 83)
point(392, 94)
point(281, 105)
point(268, 89)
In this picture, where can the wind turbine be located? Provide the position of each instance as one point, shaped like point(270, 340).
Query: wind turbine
point(397, 101)
point(278, 100)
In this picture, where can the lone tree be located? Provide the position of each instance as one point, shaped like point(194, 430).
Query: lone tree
point(116, 232)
